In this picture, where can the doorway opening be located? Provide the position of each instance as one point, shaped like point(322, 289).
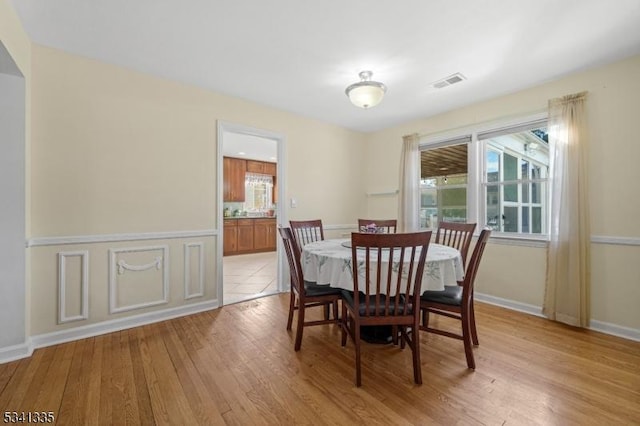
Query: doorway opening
point(250, 178)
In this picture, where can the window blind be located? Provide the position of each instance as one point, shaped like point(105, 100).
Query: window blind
point(458, 140)
point(536, 124)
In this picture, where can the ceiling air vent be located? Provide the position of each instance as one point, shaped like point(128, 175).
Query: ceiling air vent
point(448, 81)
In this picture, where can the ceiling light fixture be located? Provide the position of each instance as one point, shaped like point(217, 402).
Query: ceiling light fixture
point(366, 93)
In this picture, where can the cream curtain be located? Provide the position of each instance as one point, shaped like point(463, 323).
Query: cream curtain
point(409, 196)
point(568, 258)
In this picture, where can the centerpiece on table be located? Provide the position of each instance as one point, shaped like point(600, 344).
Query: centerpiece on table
point(371, 228)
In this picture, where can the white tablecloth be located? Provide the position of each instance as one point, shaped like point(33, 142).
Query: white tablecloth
point(329, 262)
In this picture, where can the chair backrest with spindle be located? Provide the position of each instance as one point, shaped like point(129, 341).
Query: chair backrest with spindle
point(306, 231)
point(373, 283)
point(474, 263)
point(295, 268)
point(456, 235)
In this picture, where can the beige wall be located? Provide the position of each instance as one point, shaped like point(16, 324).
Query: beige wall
point(111, 151)
point(517, 273)
point(120, 152)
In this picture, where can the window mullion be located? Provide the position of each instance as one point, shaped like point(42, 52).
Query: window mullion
point(474, 179)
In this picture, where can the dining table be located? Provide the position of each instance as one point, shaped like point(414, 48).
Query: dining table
point(330, 262)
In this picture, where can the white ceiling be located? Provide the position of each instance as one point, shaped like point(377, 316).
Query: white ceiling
point(299, 56)
point(250, 147)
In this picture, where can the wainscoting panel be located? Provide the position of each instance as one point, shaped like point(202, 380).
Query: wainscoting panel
point(85, 288)
point(193, 270)
point(138, 277)
point(73, 286)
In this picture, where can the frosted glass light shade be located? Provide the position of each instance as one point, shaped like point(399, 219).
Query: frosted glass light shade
point(366, 93)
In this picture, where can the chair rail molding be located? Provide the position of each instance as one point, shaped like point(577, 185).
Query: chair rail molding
point(107, 238)
point(622, 241)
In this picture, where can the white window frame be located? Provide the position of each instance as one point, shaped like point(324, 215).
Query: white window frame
point(476, 187)
point(519, 182)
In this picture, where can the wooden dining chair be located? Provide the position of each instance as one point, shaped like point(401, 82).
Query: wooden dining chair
point(386, 293)
point(307, 231)
point(305, 294)
point(456, 301)
point(388, 225)
point(456, 235)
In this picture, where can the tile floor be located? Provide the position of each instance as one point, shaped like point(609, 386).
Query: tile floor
point(248, 276)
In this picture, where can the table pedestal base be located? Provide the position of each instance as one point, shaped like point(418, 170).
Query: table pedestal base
point(376, 334)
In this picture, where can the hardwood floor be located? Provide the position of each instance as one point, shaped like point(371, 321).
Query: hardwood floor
point(236, 365)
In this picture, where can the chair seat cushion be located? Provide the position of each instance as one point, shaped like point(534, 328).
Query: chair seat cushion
point(451, 295)
point(347, 297)
point(313, 289)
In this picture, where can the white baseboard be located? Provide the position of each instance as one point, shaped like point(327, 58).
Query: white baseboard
point(25, 350)
point(602, 327)
point(111, 326)
point(615, 330)
point(509, 304)
point(15, 352)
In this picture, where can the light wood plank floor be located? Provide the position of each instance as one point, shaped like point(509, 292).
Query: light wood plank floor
point(236, 365)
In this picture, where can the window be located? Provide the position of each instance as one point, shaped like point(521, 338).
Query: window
point(497, 178)
point(443, 184)
point(258, 192)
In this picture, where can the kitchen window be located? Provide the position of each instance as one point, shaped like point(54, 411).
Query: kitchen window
point(258, 192)
point(497, 177)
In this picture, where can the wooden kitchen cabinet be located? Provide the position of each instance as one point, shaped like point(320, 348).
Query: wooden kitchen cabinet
point(230, 243)
point(245, 235)
point(264, 231)
point(270, 169)
point(261, 167)
point(233, 179)
point(238, 236)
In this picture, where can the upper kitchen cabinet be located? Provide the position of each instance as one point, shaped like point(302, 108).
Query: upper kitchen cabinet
point(261, 167)
point(233, 170)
